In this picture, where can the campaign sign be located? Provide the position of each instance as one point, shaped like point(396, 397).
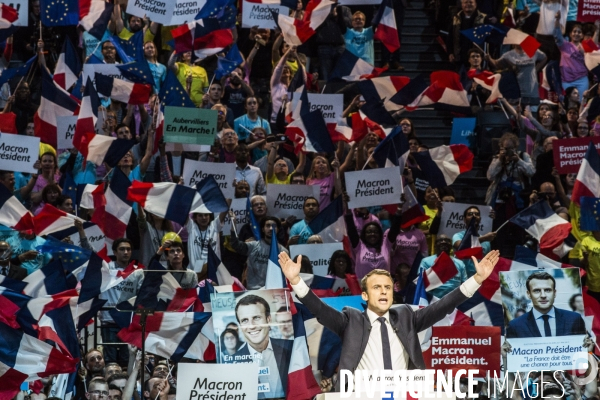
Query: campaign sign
point(256, 14)
point(374, 187)
point(569, 153)
point(190, 125)
point(588, 10)
point(243, 321)
point(194, 171)
point(331, 105)
point(18, 152)
point(94, 234)
point(166, 12)
point(286, 200)
point(201, 148)
point(238, 206)
point(22, 7)
point(547, 353)
point(463, 131)
point(358, 2)
point(388, 395)
point(211, 381)
point(89, 70)
point(453, 221)
point(65, 130)
point(471, 347)
point(318, 253)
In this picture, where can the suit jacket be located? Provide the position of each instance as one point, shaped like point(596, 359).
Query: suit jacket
point(17, 272)
point(282, 350)
point(567, 323)
point(354, 327)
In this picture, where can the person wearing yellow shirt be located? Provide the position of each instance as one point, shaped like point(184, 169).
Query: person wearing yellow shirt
point(135, 25)
point(192, 77)
point(277, 169)
point(590, 246)
point(433, 209)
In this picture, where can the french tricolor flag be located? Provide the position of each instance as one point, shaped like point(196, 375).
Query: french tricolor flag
point(446, 92)
point(68, 66)
point(208, 198)
point(528, 43)
point(587, 183)
point(88, 111)
point(412, 212)
point(386, 30)
point(90, 196)
point(51, 219)
point(442, 270)
point(98, 278)
point(12, 213)
point(210, 38)
point(218, 273)
point(115, 215)
point(48, 280)
point(94, 16)
point(330, 224)
point(421, 299)
point(541, 222)
point(308, 130)
point(352, 68)
point(120, 90)
point(470, 245)
point(8, 15)
point(443, 164)
point(382, 88)
point(100, 149)
point(296, 31)
point(393, 150)
point(275, 278)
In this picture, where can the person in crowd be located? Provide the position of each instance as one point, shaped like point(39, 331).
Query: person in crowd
point(175, 258)
point(325, 176)
point(467, 18)
point(192, 77)
point(433, 209)
point(113, 369)
point(280, 80)
point(230, 343)
point(246, 172)
point(470, 213)
point(246, 123)
point(301, 228)
point(159, 71)
point(49, 174)
point(10, 267)
point(50, 195)
point(277, 167)
point(547, 192)
point(236, 93)
point(443, 244)
point(359, 40)
point(203, 231)
point(213, 97)
point(97, 389)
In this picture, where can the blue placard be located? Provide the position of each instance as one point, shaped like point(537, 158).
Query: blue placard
point(463, 131)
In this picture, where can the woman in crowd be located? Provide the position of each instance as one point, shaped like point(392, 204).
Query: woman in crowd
point(159, 71)
point(321, 174)
point(192, 77)
point(230, 343)
point(49, 175)
point(50, 194)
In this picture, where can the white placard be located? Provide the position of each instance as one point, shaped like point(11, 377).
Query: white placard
point(286, 200)
point(238, 206)
point(166, 12)
point(95, 236)
point(65, 130)
point(452, 219)
point(358, 2)
point(89, 70)
point(374, 187)
point(547, 353)
point(318, 254)
point(22, 7)
point(331, 105)
point(216, 381)
point(201, 148)
point(224, 174)
point(18, 152)
point(256, 14)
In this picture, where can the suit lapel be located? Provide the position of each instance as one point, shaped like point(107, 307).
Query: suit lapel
point(365, 335)
point(401, 333)
point(559, 327)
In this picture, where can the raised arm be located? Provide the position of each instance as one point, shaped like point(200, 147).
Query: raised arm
point(148, 154)
point(271, 161)
point(172, 63)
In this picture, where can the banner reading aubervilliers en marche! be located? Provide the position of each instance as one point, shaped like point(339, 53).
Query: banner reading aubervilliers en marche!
point(18, 152)
point(238, 206)
point(375, 187)
point(453, 219)
point(224, 174)
point(65, 130)
point(286, 200)
point(213, 381)
point(255, 14)
point(166, 12)
point(329, 104)
point(319, 254)
point(190, 125)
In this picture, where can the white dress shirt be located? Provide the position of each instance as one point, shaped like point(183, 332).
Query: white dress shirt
point(540, 321)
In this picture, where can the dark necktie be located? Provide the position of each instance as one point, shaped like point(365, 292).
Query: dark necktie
point(4, 271)
point(385, 345)
point(547, 331)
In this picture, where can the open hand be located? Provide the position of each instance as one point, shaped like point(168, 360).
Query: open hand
point(290, 269)
point(486, 265)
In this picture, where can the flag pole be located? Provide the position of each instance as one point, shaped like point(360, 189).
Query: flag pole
point(502, 107)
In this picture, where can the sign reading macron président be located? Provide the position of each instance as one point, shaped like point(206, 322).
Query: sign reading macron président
point(166, 12)
point(18, 152)
point(256, 14)
point(238, 206)
point(190, 125)
point(331, 105)
point(286, 200)
point(65, 130)
point(453, 219)
point(374, 187)
point(217, 381)
point(224, 174)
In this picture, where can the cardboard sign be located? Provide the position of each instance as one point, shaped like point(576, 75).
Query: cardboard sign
point(166, 12)
point(569, 153)
point(18, 152)
point(588, 11)
point(22, 7)
point(471, 347)
point(452, 219)
point(318, 253)
point(256, 14)
point(224, 174)
point(463, 131)
point(213, 381)
point(65, 130)
point(89, 70)
point(374, 187)
point(286, 200)
point(238, 206)
point(547, 353)
point(331, 105)
point(190, 125)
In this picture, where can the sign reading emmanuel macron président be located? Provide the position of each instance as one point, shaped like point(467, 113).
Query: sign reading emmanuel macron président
point(224, 174)
point(238, 206)
point(166, 12)
point(453, 217)
point(374, 187)
point(190, 125)
point(286, 200)
point(569, 153)
point(18, 152)
point(217, 382)
point(588, 10)
point(256, 14)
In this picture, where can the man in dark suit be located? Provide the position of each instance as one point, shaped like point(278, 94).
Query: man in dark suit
point(367, 339)
point(544, 319)
point(11, 268)
point(254, 316)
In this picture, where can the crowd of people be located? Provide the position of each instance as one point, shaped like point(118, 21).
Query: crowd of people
point(251, 103)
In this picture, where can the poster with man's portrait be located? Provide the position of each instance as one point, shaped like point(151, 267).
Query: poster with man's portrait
point(256, 327)
point(544, 320)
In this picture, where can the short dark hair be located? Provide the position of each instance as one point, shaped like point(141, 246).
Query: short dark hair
point(113, 387)
point(474, 50)
point(116, 377)
point(311, 198)
point(263, 222)
point(61, 199)
point(541, 276)
point(377, 271)
point(176, 244)
point(3, 173)
point(250, 300)
point(122, 125)
point(572, 300)
point(339, 254)
point(118, 242)
point(469, 208)
point(295, 174)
